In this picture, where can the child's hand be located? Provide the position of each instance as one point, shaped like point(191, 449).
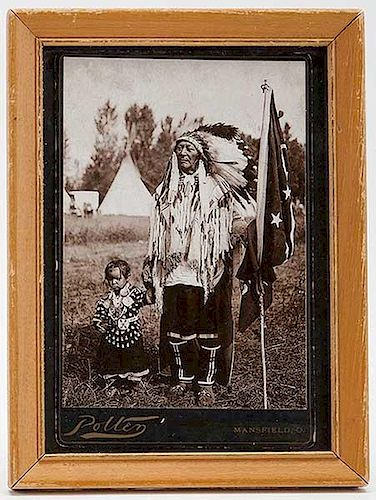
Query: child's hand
point(101, 326)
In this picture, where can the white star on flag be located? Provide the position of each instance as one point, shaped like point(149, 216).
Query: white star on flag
point(276, 219)
point(287, 192)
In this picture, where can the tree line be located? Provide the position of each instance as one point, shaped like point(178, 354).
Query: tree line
point(151, 149)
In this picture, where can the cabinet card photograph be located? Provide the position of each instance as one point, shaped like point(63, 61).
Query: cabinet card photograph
point(185, 190)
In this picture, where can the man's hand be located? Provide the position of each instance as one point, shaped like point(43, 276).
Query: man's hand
point(146, 274)
point(150, 296)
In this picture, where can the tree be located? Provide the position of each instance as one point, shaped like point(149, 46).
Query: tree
point(150, 155)
point(286, 132)
point(162, 149)
point(107, 156)
point(67, 171)
point(142, 120)
point(161, 152)
point(70, 170)
point(185, 124)
point(72, 181)
point(296, 156)
point(65, 147)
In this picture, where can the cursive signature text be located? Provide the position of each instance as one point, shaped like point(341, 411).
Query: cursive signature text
point(113, 427)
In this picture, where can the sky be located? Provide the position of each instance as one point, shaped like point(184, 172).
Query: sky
point(219, 90)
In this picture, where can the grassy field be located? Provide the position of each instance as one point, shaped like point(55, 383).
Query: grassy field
point(90, 244)
point(104, 229)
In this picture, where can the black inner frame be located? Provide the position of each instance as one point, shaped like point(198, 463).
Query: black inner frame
point(197, 429)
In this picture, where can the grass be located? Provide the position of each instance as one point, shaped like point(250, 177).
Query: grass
point(85, 257)
point(104, 229)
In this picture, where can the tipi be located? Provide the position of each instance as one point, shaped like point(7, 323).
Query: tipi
point(127, 194)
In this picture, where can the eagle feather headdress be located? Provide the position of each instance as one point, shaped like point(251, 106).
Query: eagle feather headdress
point(226, 186)
point(227, 158)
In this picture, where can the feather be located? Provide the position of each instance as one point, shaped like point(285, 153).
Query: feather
point(227, 161)
point(198, 228)
point(220, 129)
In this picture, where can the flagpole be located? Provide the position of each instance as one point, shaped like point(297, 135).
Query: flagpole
point(260, 217)
point(262, 339)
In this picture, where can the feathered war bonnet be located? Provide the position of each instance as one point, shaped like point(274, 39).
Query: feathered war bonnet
point(226, 157)
point(226, 173)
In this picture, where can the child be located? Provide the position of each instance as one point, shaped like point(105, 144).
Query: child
point(121, 353)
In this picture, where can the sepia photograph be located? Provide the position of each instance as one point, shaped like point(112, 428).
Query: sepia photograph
point(184, 233)
point(187, 265)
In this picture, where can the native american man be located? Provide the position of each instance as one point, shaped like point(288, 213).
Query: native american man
point(206, 195)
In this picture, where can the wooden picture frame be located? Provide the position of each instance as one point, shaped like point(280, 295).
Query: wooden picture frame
point(346, 464)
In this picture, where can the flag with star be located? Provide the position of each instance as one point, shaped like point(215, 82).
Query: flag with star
point(271, 235)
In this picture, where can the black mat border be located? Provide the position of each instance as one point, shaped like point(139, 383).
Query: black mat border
point(318, 313)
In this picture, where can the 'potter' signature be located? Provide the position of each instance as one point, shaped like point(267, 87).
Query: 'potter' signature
point(112, 427)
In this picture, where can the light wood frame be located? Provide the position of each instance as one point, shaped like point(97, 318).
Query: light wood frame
point(342, 33)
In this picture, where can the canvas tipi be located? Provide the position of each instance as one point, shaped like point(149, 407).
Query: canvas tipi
point(127, 194)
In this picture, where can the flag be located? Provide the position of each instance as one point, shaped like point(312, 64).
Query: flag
point(271, 235)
